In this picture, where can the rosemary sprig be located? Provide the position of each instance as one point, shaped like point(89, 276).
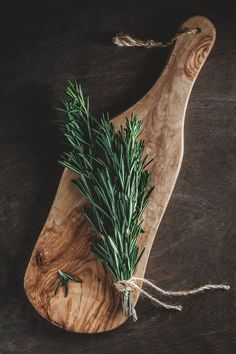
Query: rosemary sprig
point(63, 281)
point(112, 177)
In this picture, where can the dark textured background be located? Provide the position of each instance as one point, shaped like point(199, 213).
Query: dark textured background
point(45, 43)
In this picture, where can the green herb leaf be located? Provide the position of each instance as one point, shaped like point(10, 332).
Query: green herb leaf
point(113, 177)
point(62, 281)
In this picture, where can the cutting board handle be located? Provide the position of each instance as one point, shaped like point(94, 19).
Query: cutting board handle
point(186, 60)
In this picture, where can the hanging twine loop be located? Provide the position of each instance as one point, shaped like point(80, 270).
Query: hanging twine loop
point(135, 284)
point(124, 40)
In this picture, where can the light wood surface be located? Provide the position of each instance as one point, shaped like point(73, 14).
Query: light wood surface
point(64, 243)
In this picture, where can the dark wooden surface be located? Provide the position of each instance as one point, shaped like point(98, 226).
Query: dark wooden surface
point(43, 45)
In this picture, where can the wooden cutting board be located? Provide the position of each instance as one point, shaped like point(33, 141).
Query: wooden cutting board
point(64, 243)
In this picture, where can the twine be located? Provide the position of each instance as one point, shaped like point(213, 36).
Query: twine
point(133, 284)
point(124, 40)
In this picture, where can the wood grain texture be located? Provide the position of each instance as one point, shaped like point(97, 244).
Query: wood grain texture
point(64, 243)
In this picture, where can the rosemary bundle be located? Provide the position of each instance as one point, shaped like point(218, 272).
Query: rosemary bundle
point(113, 178)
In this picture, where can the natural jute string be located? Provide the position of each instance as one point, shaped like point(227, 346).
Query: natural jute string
point(124, 40)
point(133, 284)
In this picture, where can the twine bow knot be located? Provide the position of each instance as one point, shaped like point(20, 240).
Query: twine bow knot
point(136, 283)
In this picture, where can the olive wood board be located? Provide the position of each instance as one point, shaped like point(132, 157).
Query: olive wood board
point(64, 243)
